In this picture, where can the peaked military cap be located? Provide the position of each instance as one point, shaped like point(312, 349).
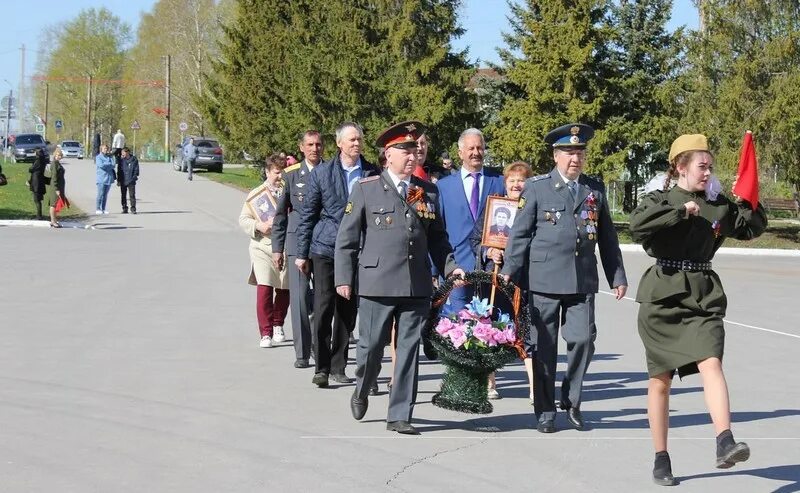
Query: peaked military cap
point(402, 135)
point(570, 135)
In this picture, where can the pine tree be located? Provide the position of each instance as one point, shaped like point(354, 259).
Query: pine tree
point(555, 78)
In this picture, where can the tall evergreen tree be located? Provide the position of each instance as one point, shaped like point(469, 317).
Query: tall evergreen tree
point(553, 63)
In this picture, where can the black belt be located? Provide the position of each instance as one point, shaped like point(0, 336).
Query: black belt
point(683, 264)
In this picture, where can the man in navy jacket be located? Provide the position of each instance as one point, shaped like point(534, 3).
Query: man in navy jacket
point(329, 187)
point(127, 176)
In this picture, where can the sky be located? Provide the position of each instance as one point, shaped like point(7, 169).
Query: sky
point(484, 20)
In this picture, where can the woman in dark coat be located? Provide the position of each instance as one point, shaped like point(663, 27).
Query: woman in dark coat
point(682, 302)
point(56, 189)
point(37, 182)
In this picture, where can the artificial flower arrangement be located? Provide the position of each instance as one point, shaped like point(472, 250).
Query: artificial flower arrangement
point(473, 328)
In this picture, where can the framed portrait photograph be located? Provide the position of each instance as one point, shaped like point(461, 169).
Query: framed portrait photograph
point(262, 204)
point(500, 214)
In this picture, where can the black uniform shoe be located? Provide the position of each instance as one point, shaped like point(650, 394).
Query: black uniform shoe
point(301, 363)
point(546, 425)
point(358, 406)
point(341, 378)
point(403, 427)
point(374, 389)
point(662, 470)
point(320, 379)
point(133, 211)
point(729, 452)
point(124, 211)
point(574, 417)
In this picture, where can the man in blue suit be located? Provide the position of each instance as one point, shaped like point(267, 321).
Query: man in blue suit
point(462, 197)
point(328, 189)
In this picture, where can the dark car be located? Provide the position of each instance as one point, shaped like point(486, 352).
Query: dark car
point(26, 145)
point(209, 155)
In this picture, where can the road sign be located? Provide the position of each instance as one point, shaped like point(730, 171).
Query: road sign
point(183, 126)
point(135, 125)
point(40, 128)
point(59, 124)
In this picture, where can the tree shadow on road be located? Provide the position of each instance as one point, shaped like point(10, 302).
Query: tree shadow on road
point(600, 419)
point(787, 473)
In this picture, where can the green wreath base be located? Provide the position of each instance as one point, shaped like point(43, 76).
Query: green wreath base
point(465, 381)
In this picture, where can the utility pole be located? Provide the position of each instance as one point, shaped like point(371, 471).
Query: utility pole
point(88, 134)
point(21, 91)
point(166, 120)
point(8, 114)
point(46, 102)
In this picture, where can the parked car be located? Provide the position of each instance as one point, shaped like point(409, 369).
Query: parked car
point(26, 145)
point(71, 148)
point(209, 155)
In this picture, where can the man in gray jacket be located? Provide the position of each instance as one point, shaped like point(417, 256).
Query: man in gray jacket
point(563, 215)
point(390, 225)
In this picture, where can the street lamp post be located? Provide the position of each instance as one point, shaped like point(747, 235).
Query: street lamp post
point(8, 114)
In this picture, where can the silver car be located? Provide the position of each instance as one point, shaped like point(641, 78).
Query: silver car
point(71, 148)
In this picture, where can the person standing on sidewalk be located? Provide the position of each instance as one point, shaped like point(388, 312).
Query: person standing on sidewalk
point(37, 182)
point(127, 176)
point(190, 156)
point(117, 143)
point(57, 185)
point(269, 281)
point(104, 178)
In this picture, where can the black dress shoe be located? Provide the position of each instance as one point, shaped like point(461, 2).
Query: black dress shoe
point(373, 390)
point(574, 417)
point(341, 378)
point(728, 456)
point(358, 406)
point(662, 470)
point(403, 427)
point(546, 425)
point(320, 379)
point(301, 363)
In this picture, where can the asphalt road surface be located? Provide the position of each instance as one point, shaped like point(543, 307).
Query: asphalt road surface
point(129, 362)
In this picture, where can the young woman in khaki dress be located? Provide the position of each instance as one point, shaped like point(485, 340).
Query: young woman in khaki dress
point(682, 302)
point(272, 285)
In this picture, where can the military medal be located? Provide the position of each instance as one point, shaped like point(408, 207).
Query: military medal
point(558, 215)
point(377, 221)
point(388, 219)
point(348, 208)
point(547, 216)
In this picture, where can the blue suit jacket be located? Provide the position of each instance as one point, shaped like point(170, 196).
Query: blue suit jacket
point(457, 217)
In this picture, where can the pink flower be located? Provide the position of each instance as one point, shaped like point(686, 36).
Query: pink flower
point(511, 334)
point(466, 315)
point(483, 332)
point(499, 336)
point(457, 336)
point(444, 326)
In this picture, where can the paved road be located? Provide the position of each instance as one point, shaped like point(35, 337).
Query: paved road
point(129, 362)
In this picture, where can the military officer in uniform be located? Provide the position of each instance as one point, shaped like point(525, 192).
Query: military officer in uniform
point(563, 215)
point(284, 239)
point(391, 224)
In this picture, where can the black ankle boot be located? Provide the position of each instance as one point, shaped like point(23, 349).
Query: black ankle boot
point(729, 452)
point(662, 470)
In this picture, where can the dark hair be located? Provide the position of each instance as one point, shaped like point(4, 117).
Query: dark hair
point(382, 158)
point(308, 133)
point(504, 210)
point(126, 150)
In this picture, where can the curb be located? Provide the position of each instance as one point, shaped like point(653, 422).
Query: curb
point(762, 252)
point(30, 223)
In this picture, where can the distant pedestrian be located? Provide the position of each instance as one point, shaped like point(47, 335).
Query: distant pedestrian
point(96, 145)
point(190, 156)
point(117, 144)
point(104, 178)
point(272, 284)
point(37, 183)
point(127, 176)
point(57, 188)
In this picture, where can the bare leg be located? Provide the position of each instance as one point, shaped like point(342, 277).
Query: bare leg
point(658, 409)
point(529, 371)
point(715, 389)
point(53, 220)
point(492, 382)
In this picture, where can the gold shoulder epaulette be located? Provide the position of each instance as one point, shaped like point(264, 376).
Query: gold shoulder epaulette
point(291, 168)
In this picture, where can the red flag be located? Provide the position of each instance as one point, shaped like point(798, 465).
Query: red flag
point(747, 181)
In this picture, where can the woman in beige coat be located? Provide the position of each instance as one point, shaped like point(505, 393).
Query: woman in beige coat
point(256, 218)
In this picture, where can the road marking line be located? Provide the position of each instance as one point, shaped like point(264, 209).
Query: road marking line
point(795, 336)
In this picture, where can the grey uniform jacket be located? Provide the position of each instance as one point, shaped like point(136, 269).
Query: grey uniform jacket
point(556, 236)
point(284, 227)
point(385, 241)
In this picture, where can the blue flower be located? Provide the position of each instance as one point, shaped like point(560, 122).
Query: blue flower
point(480, 307)
point(503, 318)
